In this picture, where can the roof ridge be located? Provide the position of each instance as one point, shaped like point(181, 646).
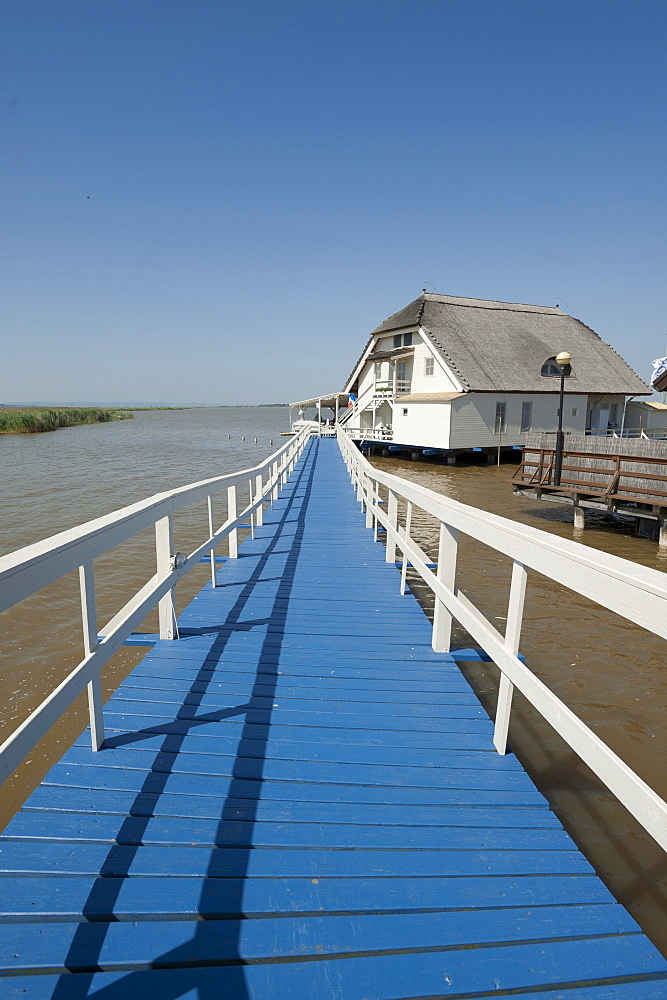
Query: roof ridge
point(493, 305)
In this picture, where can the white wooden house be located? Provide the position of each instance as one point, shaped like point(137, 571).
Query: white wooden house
point(645, 418)
point(456, 374)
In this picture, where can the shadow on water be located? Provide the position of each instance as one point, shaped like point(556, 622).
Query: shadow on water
point(219, 893)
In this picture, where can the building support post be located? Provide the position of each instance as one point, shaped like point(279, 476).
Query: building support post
point(662, 534)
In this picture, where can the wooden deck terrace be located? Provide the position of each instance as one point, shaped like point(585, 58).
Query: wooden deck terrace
point(299, 798)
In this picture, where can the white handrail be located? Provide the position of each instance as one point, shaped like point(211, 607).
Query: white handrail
point(28, 570)
point(635, 592)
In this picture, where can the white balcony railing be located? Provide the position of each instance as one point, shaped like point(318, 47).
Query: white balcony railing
point(389, 390)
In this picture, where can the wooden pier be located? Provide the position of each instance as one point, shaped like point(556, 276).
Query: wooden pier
point(300, 798)
point(625, 476)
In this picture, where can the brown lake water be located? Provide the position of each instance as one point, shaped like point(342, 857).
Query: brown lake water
point(611, 673)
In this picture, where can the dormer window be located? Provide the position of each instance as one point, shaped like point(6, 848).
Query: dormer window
point(397, 340)
point(403, 340)
point(551, 369)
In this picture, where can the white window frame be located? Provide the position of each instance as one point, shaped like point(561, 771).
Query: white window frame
point(526, 408)
point(429, 366)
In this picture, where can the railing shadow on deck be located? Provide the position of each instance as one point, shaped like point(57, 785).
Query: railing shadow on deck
point(85, 951)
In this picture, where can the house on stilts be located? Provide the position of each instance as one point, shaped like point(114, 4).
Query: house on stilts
point(449, 375)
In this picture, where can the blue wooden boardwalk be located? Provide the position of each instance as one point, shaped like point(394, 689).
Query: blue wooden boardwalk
point(300, 799)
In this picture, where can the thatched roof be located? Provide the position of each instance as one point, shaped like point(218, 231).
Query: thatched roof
point(501, 346)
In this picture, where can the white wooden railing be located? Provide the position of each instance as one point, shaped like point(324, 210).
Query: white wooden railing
point(28, 570)
point(370, 433)
point(635, 592)
point(645, 433)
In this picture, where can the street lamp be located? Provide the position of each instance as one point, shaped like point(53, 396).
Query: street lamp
point(563, 360)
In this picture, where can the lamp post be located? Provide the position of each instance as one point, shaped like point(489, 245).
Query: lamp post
point(563, 361)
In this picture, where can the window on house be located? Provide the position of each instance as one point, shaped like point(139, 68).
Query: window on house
point(526, 416)
point(397, 340)
point(551, 369)
point(575, 411)
point(378, 370)
point(613, 414)
point(405, 411)
point(407, 339)
point(500, 426)
point(428, 366)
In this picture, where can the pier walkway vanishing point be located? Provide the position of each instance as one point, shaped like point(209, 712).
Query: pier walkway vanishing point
point(300, 797)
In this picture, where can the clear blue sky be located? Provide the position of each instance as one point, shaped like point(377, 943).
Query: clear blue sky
point(210, 201)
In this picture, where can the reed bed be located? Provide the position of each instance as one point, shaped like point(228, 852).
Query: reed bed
point(34, 420)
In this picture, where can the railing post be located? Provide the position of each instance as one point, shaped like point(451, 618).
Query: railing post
point(404, 564)
point(231, 514)
point(210, 531)
point(446, 574)
point(369, 502)
point(274, 492)
point(512, 637)
point(90, 643)
point(259, 486)
point(252, 513)
point(392, 515)
point(163, 548)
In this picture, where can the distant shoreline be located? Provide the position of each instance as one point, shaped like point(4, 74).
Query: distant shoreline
point(18, 419)
point(125, 408)
point(40, 419)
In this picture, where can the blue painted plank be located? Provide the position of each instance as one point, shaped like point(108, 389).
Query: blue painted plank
point(211, 722)
point(234, 729)
point(469, 791)
point(79, 947)
point(460, 704)
point(84, 827)
point(392, 977)
point(107, 860)
point(473, 774)
point(67, 897)
point(329, 684)
point(53, 797)
point(216, 696)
